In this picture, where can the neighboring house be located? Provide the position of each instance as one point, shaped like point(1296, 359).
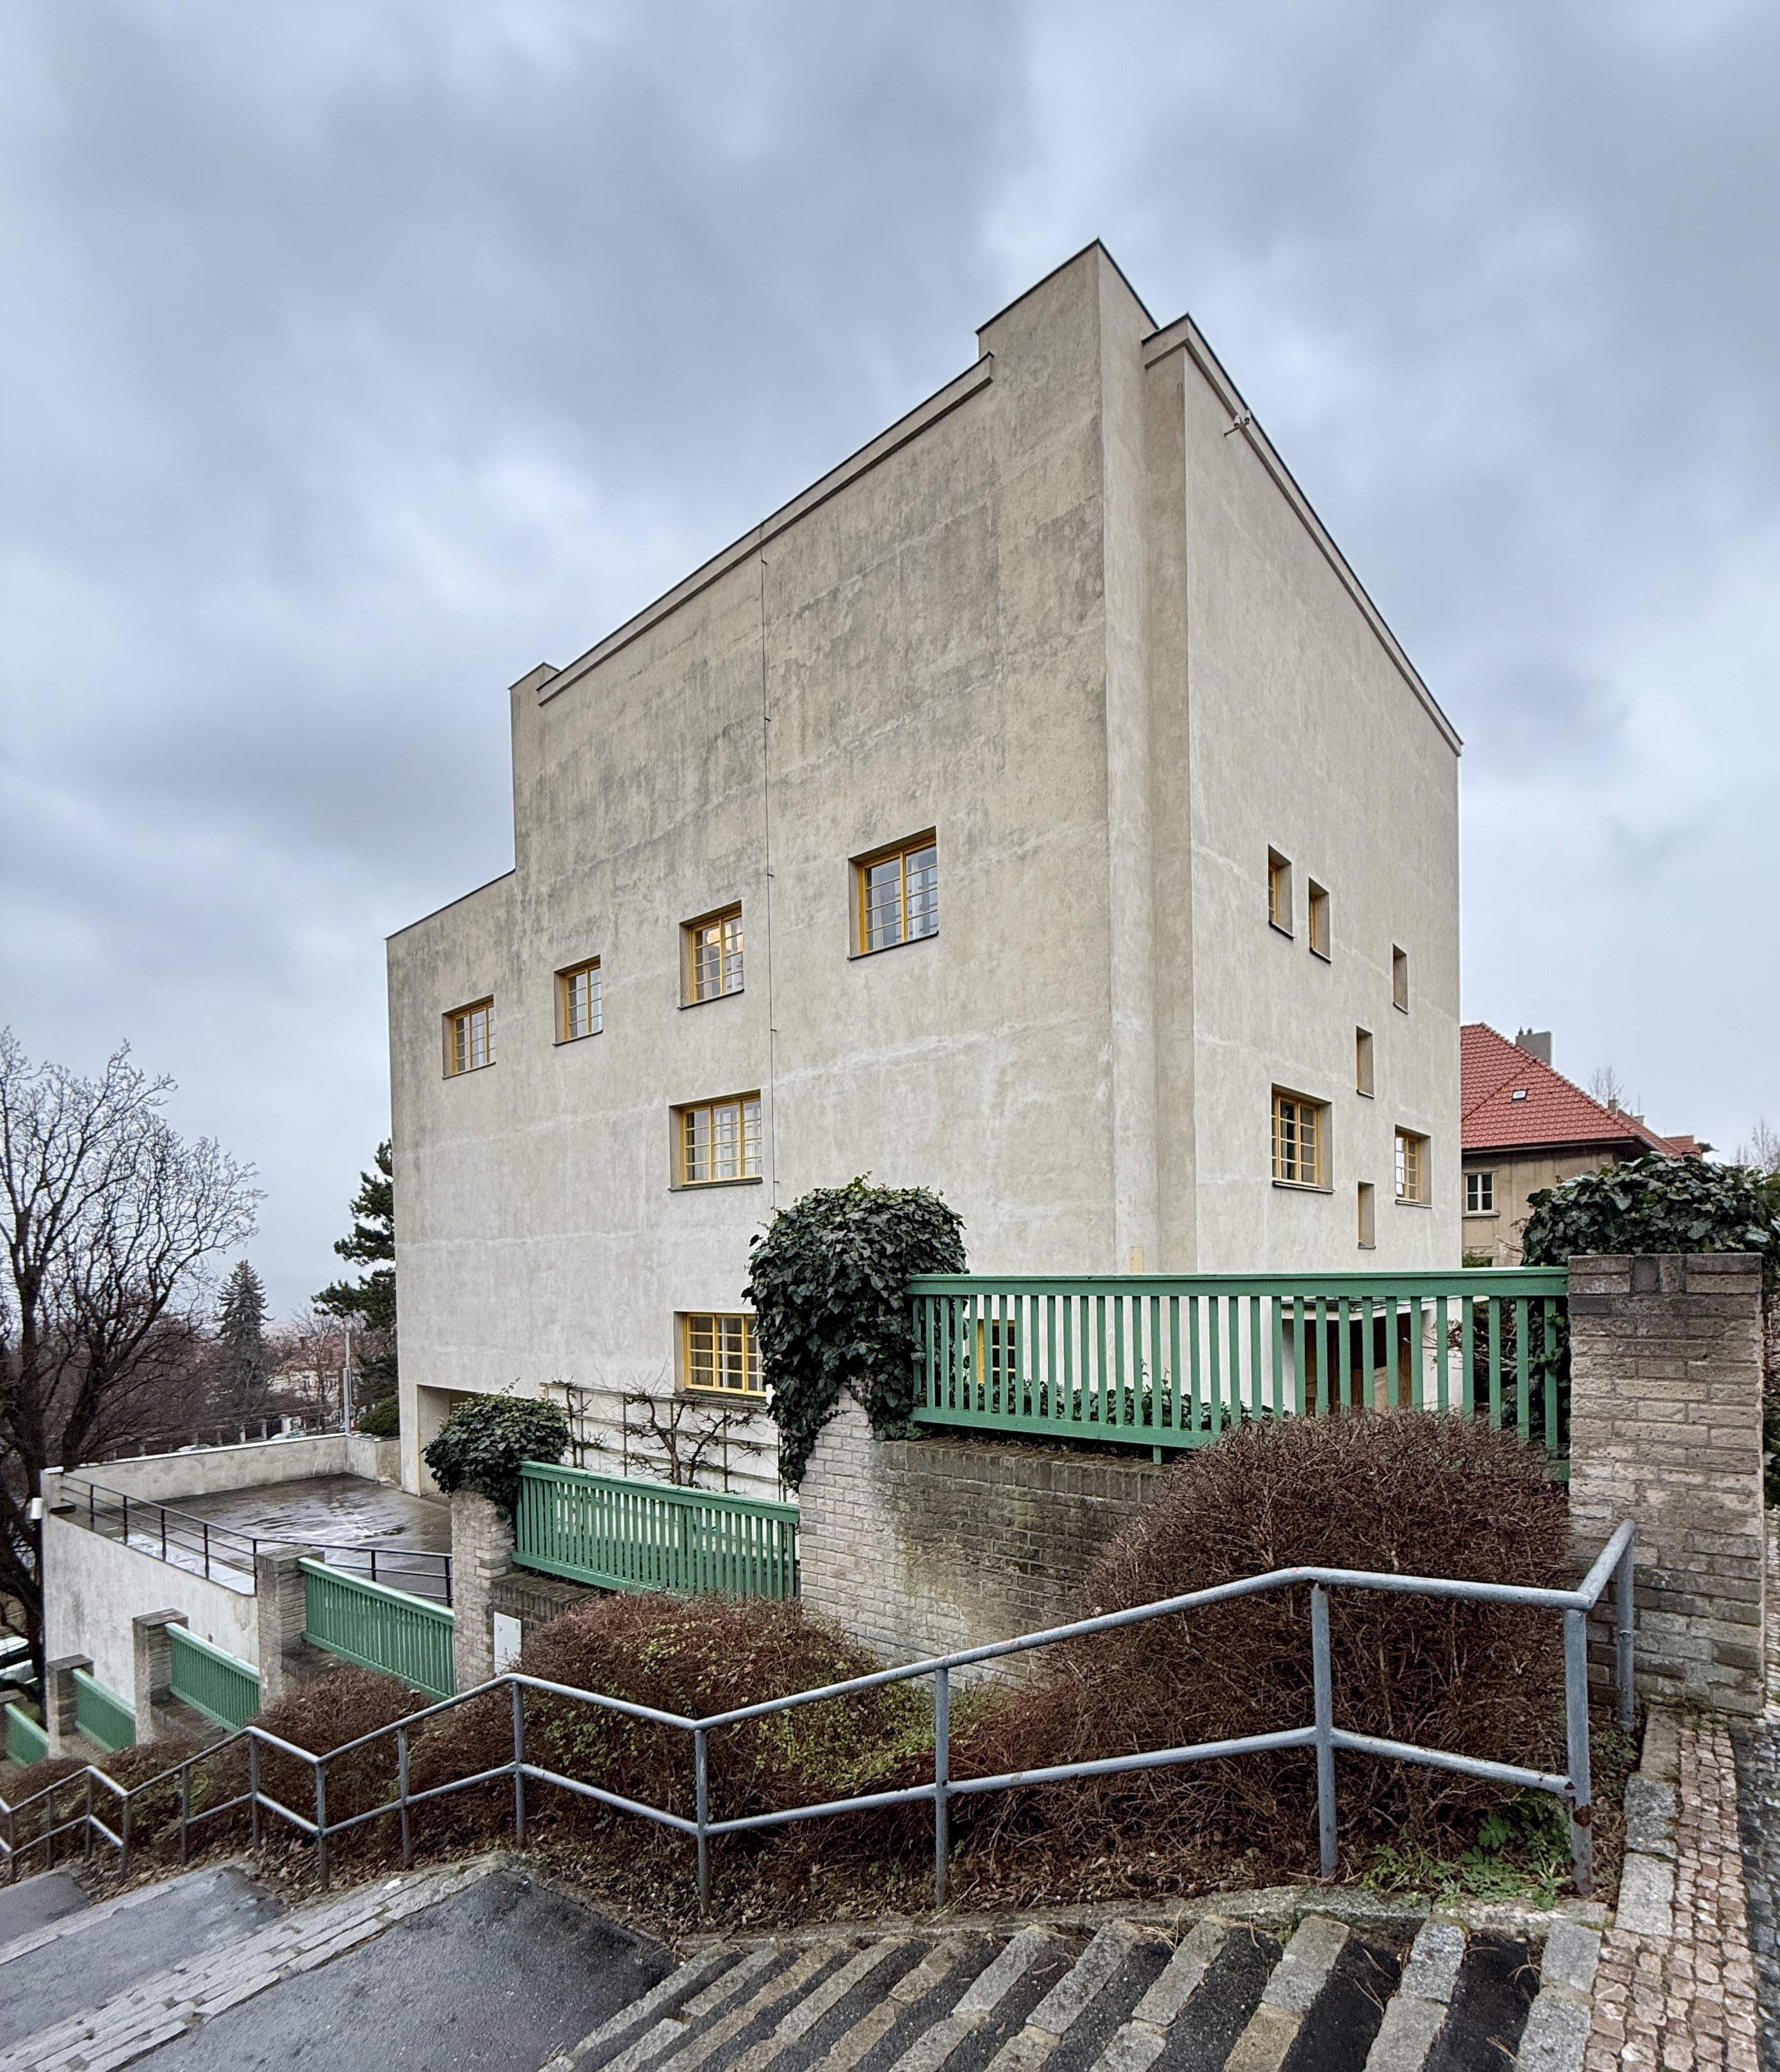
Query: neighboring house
point(1527, 1127)
point(1035, 809)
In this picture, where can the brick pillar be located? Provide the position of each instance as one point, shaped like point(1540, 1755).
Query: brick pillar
point(1666, 1430)
point(152, 1655)
point(280, 1615)
point(59, 1704)
point(481, 1552)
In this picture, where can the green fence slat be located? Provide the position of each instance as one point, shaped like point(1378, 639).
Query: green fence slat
point(227, 1691)
point(379, 1628)
point(26, 1742)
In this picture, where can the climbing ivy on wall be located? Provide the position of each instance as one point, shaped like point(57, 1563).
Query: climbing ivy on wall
point(482, 1444)
point(1656, 1204)
point(827, 1280)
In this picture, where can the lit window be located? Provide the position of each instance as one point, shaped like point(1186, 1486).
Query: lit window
point(1298, 1136)
point(1368, 1225)
point(718, 1141)
point(577, 1002)
point(718, 1353)
point(1363, 1062)
point(899, 895)
point(1400, 979)
point(1480, 1194)
point(1279, 892)
point(1319, 919)
point(470, 1038)
point(714, 955)
point(1411, 1166)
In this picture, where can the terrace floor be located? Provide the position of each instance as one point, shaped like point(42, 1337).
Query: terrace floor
point(329, 1511)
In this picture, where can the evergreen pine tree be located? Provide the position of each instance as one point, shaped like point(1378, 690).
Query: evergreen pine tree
point(240, 1331)
point(370, 1302)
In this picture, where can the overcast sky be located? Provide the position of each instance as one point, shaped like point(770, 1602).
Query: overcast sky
point(360, 354)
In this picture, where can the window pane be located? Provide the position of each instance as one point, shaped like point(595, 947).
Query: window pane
point(884, 904)
point(732, 954)
point(707, 961)
point(696, 1138)
point(922, 883)
point(750, 1139)
point(725, 1142)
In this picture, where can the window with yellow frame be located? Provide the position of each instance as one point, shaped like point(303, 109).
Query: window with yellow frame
point(470, 1038)
point(897, 895)
point(717, 1354)
point(1300, 1134)
point(578, 1010)
point(714, 955)
point(1411, 1166)
point(718, 1141)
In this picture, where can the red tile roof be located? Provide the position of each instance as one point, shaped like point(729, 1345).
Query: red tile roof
point(1510, 1101)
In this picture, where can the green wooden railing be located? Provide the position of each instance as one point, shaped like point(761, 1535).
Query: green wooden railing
point(225, 1691)
point(626, 1534)
point(101, 1715)
point(26, 1742)
point(1166, 1362)
point(379, 1628)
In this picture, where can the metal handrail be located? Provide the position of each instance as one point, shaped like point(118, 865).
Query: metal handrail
point(215, 1545)
point(1573, 1787)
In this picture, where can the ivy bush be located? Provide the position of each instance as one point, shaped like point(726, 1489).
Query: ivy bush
point(1656, 1204)
point(482, 1444)
point(383, 1419)
point(828, 1283)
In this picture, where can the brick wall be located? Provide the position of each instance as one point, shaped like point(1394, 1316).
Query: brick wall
point(481, 1553)
point(920, 1546)
point(1666, 1430)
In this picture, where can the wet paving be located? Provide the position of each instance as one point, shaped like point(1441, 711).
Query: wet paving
point(332, 1510)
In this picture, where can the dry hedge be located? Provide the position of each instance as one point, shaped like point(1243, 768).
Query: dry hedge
point(1408, 1494)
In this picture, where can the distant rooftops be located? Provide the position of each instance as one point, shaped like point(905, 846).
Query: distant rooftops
point(1511, 1099)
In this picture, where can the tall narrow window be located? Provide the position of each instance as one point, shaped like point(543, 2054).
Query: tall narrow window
point(1411, 1166)
point(577, 1002)
point(1318, 913)
point(714, 955)
point(1399, 979)
point(1298, 1141)
point(717, 1352)
point(1279, 892)
point(1480, 1194)
point(1368, 1219)
point(718, 1141)
point(1363, 1062)
point(899, 895)
point(470, 1038)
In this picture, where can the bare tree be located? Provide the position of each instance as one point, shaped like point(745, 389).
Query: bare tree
point(108, 1217)
point(1607, 1088)
point(1761, 1150)
point(307, 1354)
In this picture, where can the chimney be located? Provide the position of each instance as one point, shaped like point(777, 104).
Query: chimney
point(1536, 1043)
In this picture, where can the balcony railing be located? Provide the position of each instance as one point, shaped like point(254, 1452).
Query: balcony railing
point(1171, 1361)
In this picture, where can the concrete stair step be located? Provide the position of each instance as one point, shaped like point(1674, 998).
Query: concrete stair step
point(34, 1903)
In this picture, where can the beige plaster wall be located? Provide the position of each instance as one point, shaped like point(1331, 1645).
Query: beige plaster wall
point(994, 631)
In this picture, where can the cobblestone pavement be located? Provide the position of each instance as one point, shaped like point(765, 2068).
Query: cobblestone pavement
point(1759, 1796)
point(1686, 2002)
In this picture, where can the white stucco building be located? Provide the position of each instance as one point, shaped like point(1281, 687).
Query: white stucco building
point(1036, 809)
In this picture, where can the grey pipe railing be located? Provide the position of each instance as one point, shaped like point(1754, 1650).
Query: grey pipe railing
point(1572, 1788)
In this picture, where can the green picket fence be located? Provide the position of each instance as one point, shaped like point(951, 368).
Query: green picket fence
point(624, 1534)
point(26, 1742)
point(379, 1628)
point(1170, 1361)
point(227, 1691)
point(101, 1715)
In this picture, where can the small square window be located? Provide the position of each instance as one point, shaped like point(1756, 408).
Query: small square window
point(716, 1354)
point(1318, 929)
point(1400, 979)
point(470, 1038)
point(897, 895)
point(717, 1140)
point(1300, 1140)
point(1480, 1194)
point(579, 1012)
point(1363, 1062)
point(1279, 892)
point(1368, 1217)
point(1411, 1166)
point(713, 955)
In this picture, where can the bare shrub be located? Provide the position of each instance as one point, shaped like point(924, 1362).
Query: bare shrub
point(691, 1657)
point(1408, 1494)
